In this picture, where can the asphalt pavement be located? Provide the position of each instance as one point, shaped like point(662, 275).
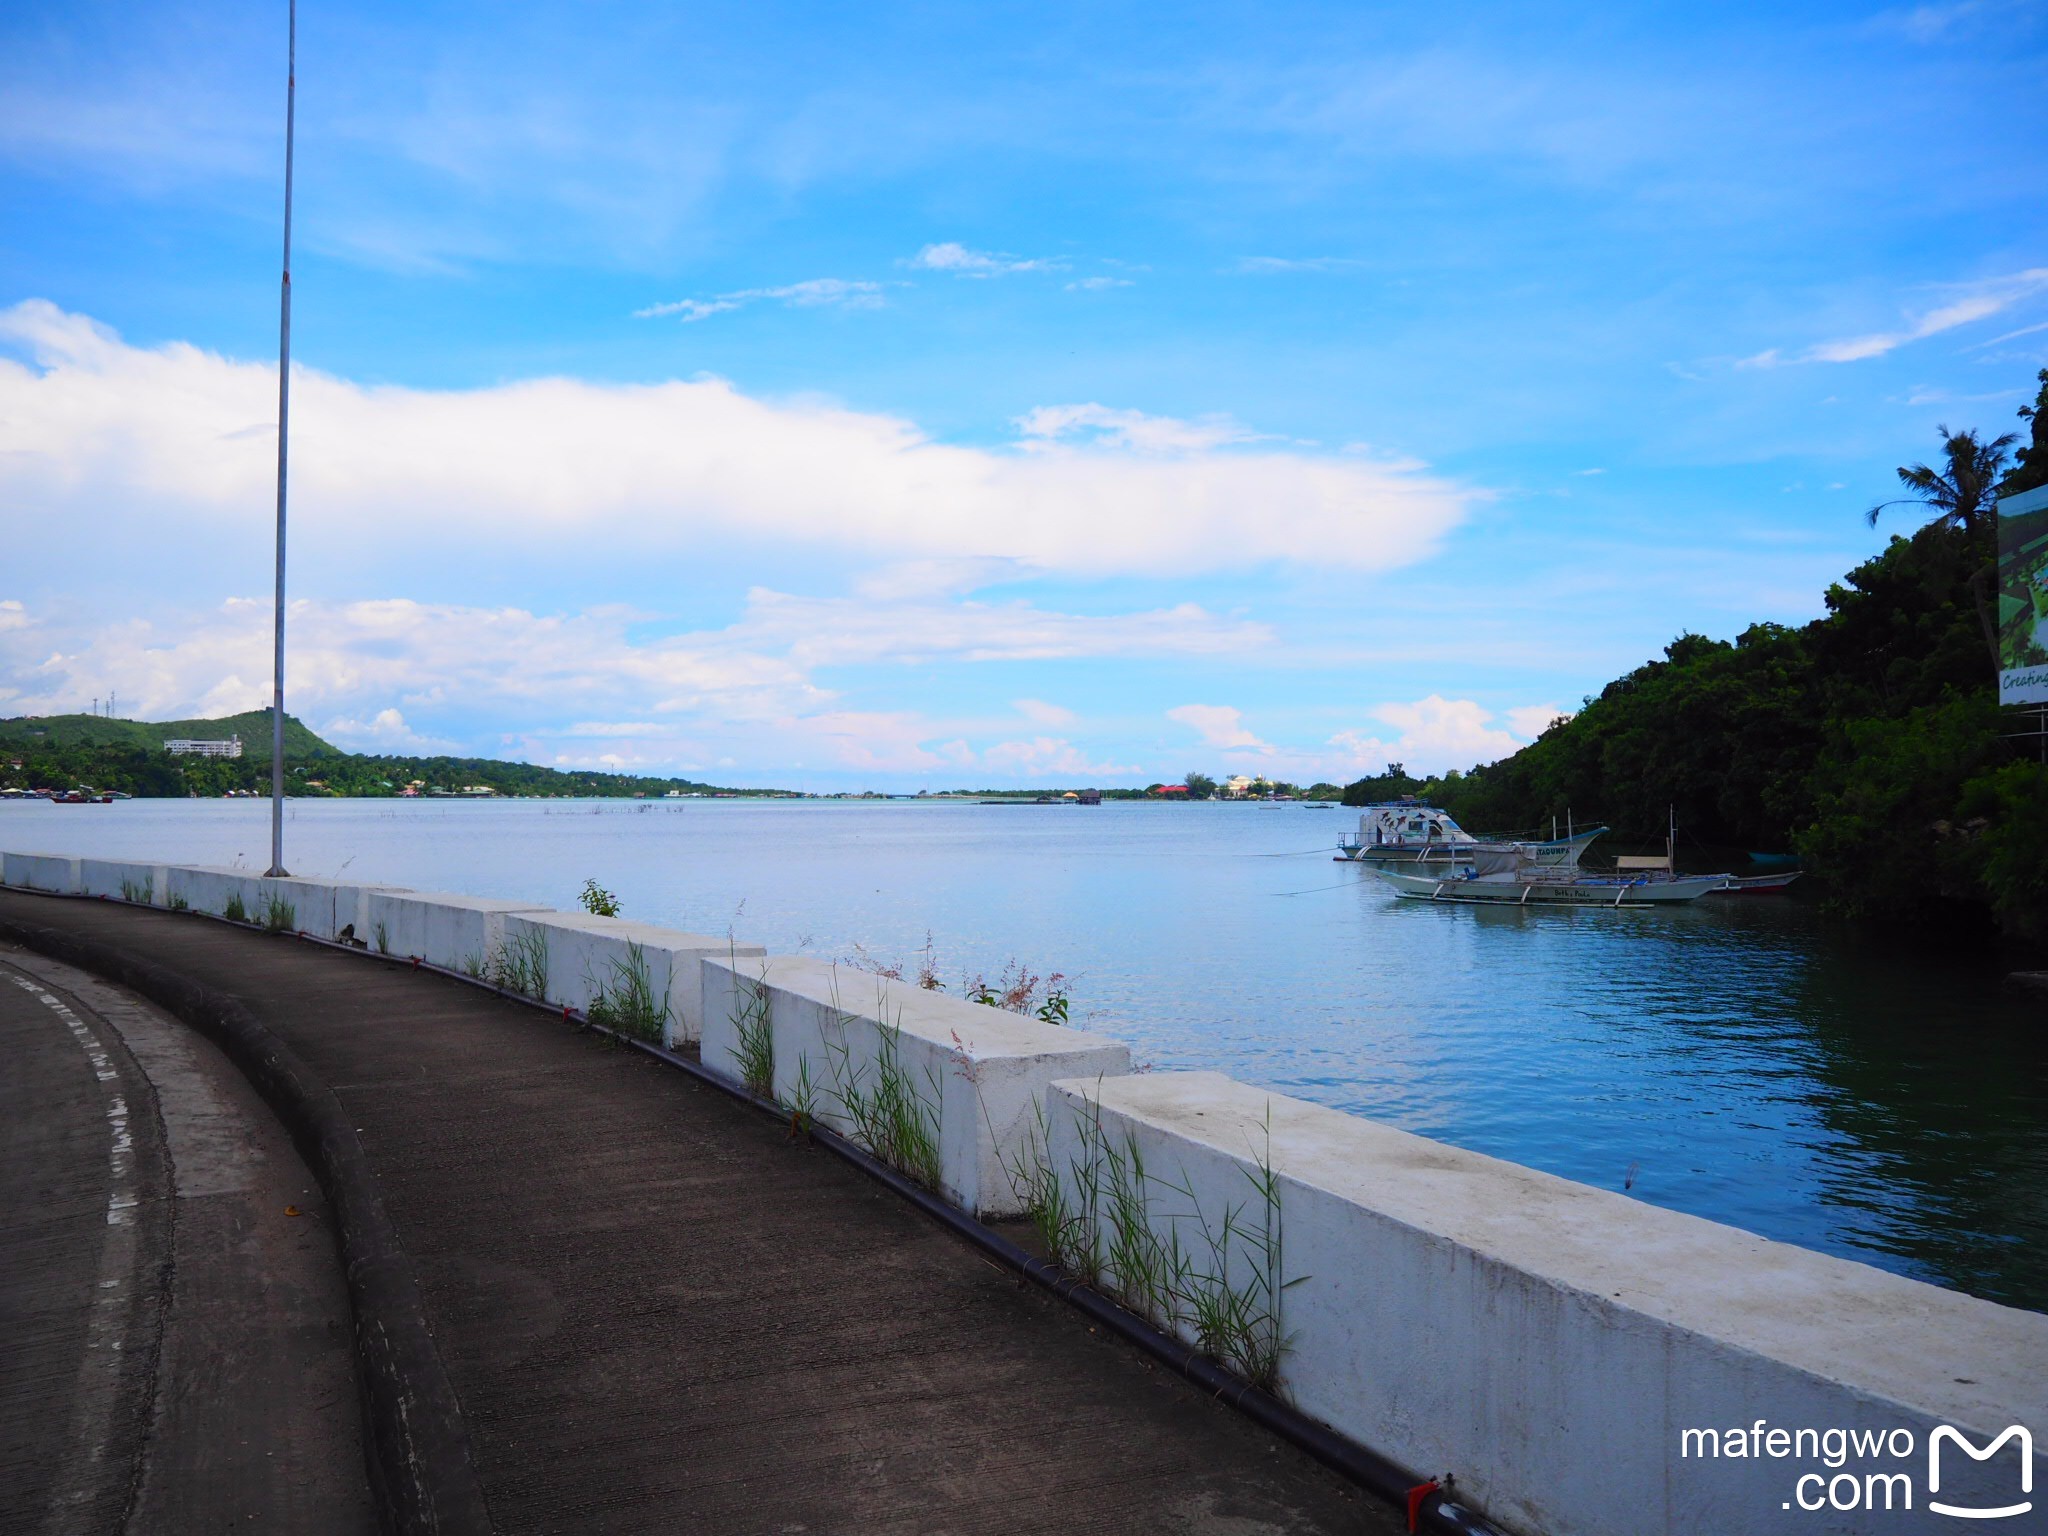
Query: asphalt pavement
point(659, 1311)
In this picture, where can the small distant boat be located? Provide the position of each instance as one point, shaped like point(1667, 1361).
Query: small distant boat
point(1756, 885)
point(82, 796)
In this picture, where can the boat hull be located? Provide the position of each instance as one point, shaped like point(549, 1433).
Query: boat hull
point(1586, 891)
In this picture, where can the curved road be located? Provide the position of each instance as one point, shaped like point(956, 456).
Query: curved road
point(174, 1348)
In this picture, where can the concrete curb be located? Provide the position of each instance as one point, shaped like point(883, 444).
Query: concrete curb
point(414, 1441)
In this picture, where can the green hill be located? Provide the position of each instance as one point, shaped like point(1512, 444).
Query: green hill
point(61, 732)
point(59, 751)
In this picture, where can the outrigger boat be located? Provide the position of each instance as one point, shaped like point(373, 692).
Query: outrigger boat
point(1548, 874)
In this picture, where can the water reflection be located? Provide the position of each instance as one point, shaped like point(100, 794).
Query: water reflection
point(1749, 1065)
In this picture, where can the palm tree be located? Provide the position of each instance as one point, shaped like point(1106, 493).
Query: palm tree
point(1964, 495)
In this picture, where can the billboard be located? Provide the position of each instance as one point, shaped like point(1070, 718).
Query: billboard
point(2023, 598)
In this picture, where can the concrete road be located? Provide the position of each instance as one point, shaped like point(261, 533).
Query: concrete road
point(173, 1339)
point(662, 1314)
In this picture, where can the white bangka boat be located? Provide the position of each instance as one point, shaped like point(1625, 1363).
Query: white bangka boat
point(1548, 875)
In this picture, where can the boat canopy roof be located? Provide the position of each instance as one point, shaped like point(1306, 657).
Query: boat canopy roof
point(1405, 823)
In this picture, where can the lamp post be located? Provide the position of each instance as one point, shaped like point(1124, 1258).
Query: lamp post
point(284, 403)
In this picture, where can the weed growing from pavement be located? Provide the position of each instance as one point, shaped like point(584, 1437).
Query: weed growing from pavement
point(803, 1100)
point(383, 939)
point(754, 1039)
point(626, 1003)
point(884, 1110)
point(279, 915)
point(1218, 1280)
point(177, 903)
point(520, 964)
point(234, 911)
point(141, 892)
point(598, 901)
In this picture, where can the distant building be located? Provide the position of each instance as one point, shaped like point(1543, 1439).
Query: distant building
point(232, 747)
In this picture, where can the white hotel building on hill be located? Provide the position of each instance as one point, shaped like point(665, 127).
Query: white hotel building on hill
point(232, 747)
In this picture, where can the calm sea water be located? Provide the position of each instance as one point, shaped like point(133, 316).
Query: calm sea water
point(1747, 1063)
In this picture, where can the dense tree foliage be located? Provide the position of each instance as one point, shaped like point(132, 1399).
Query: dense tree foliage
point(61, 752)
point(1870, 741)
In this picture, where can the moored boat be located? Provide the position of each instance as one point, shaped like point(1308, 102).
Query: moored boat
point(1548, 874)
point(1756, 885)
point(1406, 831)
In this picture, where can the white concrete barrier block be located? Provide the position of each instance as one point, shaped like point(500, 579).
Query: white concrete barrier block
point(457, 932)
point(579, 956)
point(40, 872)
point(118, 881)
point(947, 1090)
point(1551, 1343)
point(218, 892)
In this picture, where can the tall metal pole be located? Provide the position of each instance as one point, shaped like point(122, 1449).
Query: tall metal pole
point(284, 407)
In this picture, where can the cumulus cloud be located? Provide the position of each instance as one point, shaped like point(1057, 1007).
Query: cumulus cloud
point(1435, 733)
point(830, 631)
point(1097, 284)
point(1532, 720)
point(1971, 302)
point(1044, 755)
point(1426, 735)
point(815, 293)
point(1106, 427)
point(952, 256)
point(1038, 712)
point(125, 436)
point(384, 732)
point(362, 668)
point(1219, 726)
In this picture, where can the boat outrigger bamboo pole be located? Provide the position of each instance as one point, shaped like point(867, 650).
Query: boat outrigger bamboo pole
point(284, 405)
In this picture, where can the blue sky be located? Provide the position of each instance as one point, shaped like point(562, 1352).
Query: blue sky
point(942, 395)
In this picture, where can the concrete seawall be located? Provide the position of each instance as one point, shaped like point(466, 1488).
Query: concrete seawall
point(1549, 1344)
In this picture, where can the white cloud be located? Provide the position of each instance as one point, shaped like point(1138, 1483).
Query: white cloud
point(1110, 428)
point(1532, 720)
point(362, 661)
point(1973, 302)
point(1436, 733)
point(1096, 284)
point(1219, 726)
point(1038, 712)
point(1274, 264)
point(835, 631)
point(367, 670)
point(1044, 755)
point(385, 732)
point(951, 256)
point(812, 294)
point(127, 438)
